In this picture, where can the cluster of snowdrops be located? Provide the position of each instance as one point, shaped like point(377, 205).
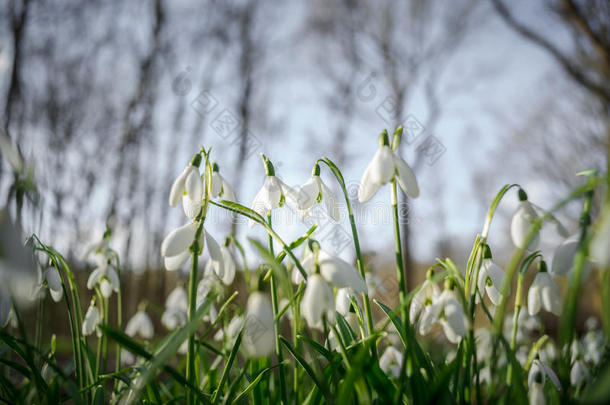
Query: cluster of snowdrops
point(307, 332)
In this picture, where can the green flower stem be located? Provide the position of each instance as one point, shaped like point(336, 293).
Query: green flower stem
point(190, 354)
point(276, 325)
point(513, 339)
point(400, 272)
point(571, 307)
point(359, 261)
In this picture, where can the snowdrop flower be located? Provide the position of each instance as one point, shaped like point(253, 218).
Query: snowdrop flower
point(179, 187)
point(173, 318)
point(259, 338)
point(539, 372)
point(176, 308)
point(140, 324)
point(453, 319)
point(53, 281)
point(543, 293)
point(220, 187)
point(315, 191)
point(105, 276)
point(422, 310)
point(224, 270)
point(601, 241)
point(491, 278)
point(342, 300)
point(11, 153)
point(92, 321)
point(385, 166)
point(563, 258)
point(391, 361)
point(273, 194)
point(209, 283)
point(522, 221)
point(318, 302)
point(336, 271)
point(579, 373)
point(536, 394)
point(175, 248)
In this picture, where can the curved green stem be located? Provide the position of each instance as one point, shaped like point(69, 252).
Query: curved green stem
point(400, 272)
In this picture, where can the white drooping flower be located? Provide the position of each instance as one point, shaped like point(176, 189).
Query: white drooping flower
point(104, 275)
point(563, 258)
point(421, 310)
point(53, 281)
point(536, 379)
point(453, 319)
point(179, 187)
point(273, 194)
point(140, 324)
point(385, 166)
point(315, 191)
point(258, 338)
point(318, 302)
point(92, 321)
point(342, 300)
point(599, 250)
point(521, 223)
point(224, 270)
point(544, 293)
point(175, 246)
point(579, 374)
point(176, 309)
point(336, 271)
point(391, 361)
point(491, 279)
point(220, 187)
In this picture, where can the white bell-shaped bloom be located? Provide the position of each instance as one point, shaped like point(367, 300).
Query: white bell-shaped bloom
point(178, 299)
point(179, 186)
point(259, 338)
point(453, 319)
point(53, 280)
point(536, 394)
point(491, 279)
point(421, 303)
point(209, 283)
point(315, 191)
point(193, 195)
point(173, 318)
point(11, 153)
point(176, 245)
point(579, 374)
point(600, 244)
point(318, 302)
point(391, 361)
point(543, 293)
point(271, 196)
point(92, 321)
point(520, 226)
point(140, 324)
point(222, 264)
point(539, 372)
point(563, 258)
point(220, 188)
point(383, 167)
point(105, 276)
point(342, 300)
point(340, 273)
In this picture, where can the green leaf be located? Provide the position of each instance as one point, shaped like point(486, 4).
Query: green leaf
point(228, 365)
point(347, 334)
point(253, 384)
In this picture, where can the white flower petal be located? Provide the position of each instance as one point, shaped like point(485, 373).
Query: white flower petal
point(317, 302)
point(229, 266)
point(534, 303)
point(91, 321)
point(173, 263)
point(178, 240)
point(330, 202)
point(95, 276)
point(520, 226)
point(216, 187)
point(216, 255)
point(105, 288)
point(340, 273)
point(342, 301)
point(406, 177)
point(177, 299)
point(259, 338)
point(194, 185)
point(309, 193)
point(367, 188)
point(178, 186)
point(51, 275)
point(383, 165)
